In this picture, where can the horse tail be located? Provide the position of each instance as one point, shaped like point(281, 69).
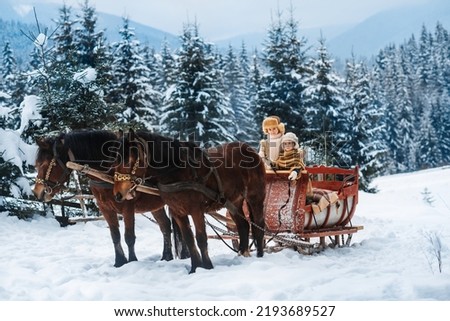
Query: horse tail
point(181, 249)
point(255, 193)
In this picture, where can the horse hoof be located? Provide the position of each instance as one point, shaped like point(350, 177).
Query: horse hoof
point(246, 253)
point(119, 264)
point(167, 257)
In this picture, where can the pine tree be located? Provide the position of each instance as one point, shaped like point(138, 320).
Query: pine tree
point(283, 84)
point(255, 87)
point(13, 78)
point(71, 92)
point(237, 92)
point(14, 85)
point(363, 130)
point(195, 108)
point(133, 91)
point(252, 76)
point(168, 75)
point(326, 113)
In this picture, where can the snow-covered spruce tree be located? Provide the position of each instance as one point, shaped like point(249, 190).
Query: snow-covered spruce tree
point(428, 149)
point(70, 88)
point(440, 112)
point(255, 87)
point(194, 106)
point(235, 86)
point(168, 75)
point(133, 92)
point(284, 82)
point(402, 121)
point(363, 146)
point(326, 112)
point(251, 87)
point(92, 49)
point(12, 87)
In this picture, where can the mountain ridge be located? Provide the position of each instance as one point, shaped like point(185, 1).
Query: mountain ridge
point(363, 39)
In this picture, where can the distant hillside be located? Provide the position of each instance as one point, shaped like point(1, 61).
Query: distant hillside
point(369, 36)
point(47, 13)
point(256, 40)
point(364, 39)
point(392, 26)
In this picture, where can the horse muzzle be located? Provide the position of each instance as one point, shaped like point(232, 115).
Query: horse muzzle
point(42, 194)
point(119, 197)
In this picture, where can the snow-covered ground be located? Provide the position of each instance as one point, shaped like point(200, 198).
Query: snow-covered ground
point(392, 259)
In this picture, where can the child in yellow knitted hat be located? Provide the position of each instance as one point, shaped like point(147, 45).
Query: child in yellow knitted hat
point(269, 148)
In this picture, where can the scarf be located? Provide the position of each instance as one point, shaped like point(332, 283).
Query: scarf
point(289, 160)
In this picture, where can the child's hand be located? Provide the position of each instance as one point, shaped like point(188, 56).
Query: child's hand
point(292, 176)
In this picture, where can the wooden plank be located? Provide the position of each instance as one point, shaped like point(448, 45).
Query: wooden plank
point(108, 178)
point(332, 232)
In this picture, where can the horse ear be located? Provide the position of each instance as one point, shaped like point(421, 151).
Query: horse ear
point(131, 134)
point(42, 143)
point(119, 133)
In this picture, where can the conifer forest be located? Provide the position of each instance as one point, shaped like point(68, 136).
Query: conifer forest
point(386, 114)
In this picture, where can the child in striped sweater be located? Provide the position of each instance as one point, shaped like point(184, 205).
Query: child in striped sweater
point(291, 156)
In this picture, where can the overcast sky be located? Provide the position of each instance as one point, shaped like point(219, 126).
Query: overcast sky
point(223, 18)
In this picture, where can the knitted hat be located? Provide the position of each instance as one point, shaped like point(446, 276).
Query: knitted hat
point(272, 121)
point(290, 137)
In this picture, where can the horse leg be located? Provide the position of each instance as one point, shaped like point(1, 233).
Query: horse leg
point(166, 230)
point(181, 249)
point(256, 213)
point(130, 236)
point(202, 239)
point(113, 223)
point(188, 236)
point(243, 228)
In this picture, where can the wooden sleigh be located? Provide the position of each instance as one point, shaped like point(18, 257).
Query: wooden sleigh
point(305, 221)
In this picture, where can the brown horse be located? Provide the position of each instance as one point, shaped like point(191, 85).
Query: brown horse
point(92, 148)
point(193, 182)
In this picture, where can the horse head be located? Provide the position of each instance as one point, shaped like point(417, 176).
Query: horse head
point(130, 166)
point(52, 173)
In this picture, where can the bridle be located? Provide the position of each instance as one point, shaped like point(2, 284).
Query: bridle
point(119, 177)
point(48, 184)
point(135, 180)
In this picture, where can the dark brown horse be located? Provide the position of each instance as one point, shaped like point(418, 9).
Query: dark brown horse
point(193, 182)
point(92, 148)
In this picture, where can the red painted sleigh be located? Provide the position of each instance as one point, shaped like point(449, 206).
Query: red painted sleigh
point(309, 222)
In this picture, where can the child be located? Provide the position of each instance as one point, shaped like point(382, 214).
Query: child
point(291, 156)
point(269, 149)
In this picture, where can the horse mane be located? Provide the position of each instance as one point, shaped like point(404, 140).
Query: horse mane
point(172, 152)
point(45, 150)
point(90, 145)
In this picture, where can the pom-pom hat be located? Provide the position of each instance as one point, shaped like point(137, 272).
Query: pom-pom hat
point(290, 137)
point(273, 121)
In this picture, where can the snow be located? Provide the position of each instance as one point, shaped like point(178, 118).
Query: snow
point(86, 76)
point(390, 259)
point(41, 40)
point(15, 150)
point(30, 111)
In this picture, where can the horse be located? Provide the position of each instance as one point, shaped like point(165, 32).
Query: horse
point(90, 147)
point(193, 181)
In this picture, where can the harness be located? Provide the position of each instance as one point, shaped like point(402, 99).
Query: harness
point(49, 185)
point(198, 184)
